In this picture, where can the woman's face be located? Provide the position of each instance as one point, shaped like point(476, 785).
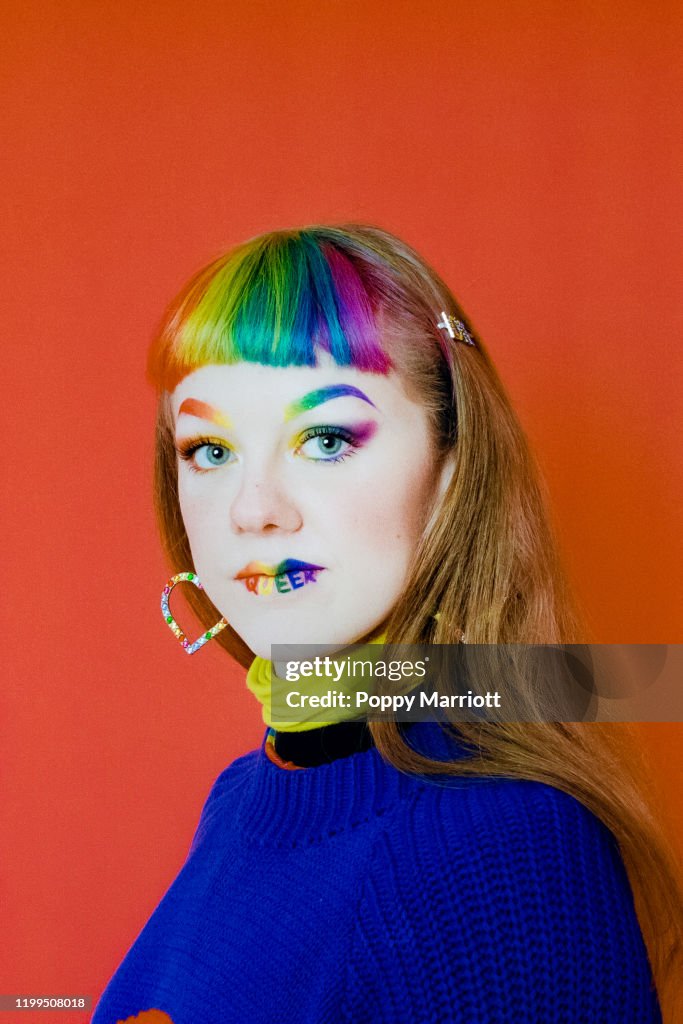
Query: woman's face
point(304, 492)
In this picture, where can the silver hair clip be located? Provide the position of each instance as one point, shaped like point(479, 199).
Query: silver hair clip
point(455, 328)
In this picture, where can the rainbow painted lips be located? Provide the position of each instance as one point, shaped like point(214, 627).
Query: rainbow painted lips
point(188, 647)
point(289, 575)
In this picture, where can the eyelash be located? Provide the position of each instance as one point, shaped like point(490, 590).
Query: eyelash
point(186, 449)
point(329, 431)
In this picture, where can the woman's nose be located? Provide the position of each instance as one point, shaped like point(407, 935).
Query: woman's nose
point(263, 503)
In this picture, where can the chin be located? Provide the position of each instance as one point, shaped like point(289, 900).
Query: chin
point(304, 637)
point(298, 634)
point(263, 646)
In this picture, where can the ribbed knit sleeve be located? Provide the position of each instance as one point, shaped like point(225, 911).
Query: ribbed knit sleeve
point(502, 901)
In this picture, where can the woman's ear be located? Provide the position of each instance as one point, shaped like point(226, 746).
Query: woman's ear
point(445, 477)
point(443, 480)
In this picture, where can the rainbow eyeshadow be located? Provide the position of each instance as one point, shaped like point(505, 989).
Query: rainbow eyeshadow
point(326, 394)
point(204, 411)
point(359, 434)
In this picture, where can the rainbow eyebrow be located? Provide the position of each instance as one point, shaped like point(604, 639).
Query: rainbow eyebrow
point(320, 395)
point(193, 407)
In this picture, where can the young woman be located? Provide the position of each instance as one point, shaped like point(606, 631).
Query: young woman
point(337, 462)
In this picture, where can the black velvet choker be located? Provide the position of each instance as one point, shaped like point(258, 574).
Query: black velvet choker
point(313, 747)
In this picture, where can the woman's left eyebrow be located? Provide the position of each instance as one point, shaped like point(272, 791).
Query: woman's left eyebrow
point(320, 395)
point(204, 411)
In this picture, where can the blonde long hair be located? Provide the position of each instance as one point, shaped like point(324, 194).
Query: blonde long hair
point(489, 562)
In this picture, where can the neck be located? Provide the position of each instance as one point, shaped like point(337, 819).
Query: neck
point(299, 713)
point(314, 747)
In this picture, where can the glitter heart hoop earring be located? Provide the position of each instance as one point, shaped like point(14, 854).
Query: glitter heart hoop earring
point(188, 647)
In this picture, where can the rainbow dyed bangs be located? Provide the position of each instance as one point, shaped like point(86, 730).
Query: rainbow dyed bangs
point(278, 300)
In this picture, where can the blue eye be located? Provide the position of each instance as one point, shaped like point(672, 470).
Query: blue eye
point(215, 454)
point(327, 444)
point(204, 454)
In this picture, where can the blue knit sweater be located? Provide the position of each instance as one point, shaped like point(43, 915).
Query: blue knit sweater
point(352, 892)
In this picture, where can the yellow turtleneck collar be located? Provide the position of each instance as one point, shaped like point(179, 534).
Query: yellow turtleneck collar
point(270, 691)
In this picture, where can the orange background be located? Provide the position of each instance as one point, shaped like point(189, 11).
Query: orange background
point(531, 151)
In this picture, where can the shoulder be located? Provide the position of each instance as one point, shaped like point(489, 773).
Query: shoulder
point(488, 815)
point(232, 778)
point(510, 894)
point(499, 841)
point(226, 787)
